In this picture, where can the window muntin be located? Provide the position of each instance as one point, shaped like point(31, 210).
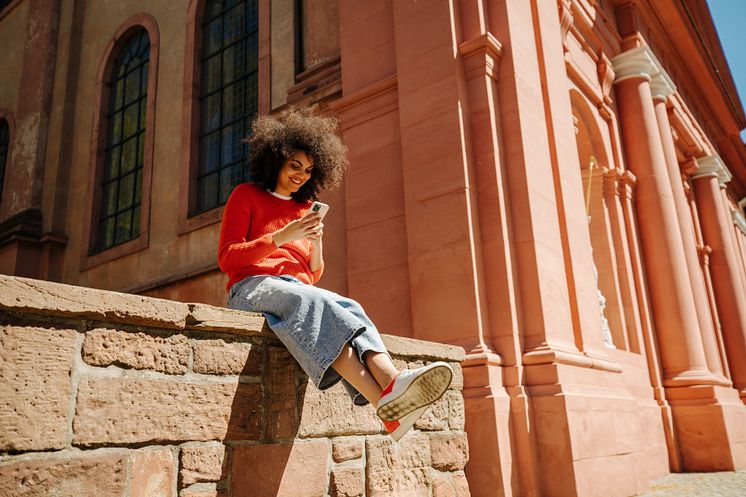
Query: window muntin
point(228, 97)
point(122, 175)
point(4, 146)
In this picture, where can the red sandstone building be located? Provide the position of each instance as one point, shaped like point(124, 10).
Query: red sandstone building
point(557, 186)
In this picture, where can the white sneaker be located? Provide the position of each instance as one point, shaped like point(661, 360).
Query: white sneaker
point(414, 388)
point(398, 428)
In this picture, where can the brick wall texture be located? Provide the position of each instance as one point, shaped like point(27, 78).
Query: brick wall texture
point(112, 395)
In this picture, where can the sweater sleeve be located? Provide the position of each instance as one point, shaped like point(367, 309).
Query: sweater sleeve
point(234, 250)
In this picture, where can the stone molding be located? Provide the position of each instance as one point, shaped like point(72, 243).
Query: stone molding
point(641, 62)
point(712, 165)
point(739, 220)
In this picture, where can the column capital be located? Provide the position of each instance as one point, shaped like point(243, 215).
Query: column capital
point(641, 62)
point(739, 221)
point(712, 165)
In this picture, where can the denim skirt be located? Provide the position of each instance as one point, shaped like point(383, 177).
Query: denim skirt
point(314, 324)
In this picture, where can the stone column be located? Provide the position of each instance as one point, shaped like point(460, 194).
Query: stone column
point(673, 305)
point(661, 89)
point(729, 292)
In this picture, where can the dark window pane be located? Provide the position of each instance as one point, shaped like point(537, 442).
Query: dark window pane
point(233, 103)
point(109, 199)
point(129, 155)
point(123, 227)
point(211, 74)
point(211, 113)
point(212, 40)
point(131, 120)
point(208, 191)
point(121, 187)
point(209, 152)
point(228, 97)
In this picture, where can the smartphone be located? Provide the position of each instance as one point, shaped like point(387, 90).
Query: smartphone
point(319, 207)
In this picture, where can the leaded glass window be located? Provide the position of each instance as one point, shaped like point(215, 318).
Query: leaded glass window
point(121, 179)
point(228, 97)
point(4, 145)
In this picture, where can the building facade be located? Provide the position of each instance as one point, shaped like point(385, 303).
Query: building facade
point(558, 186)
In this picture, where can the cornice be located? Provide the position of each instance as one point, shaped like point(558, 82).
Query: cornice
point(641, 62)
point(712, 165)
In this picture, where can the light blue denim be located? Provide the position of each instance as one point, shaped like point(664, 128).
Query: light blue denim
point(313, 323)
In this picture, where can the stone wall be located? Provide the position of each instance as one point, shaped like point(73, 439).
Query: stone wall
point(106, 394)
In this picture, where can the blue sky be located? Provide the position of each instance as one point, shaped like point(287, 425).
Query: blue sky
point(730, 20)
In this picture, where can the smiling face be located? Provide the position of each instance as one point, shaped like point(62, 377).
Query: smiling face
point(294, 173)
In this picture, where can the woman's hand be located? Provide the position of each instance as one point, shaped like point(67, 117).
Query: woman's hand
point(308, 227)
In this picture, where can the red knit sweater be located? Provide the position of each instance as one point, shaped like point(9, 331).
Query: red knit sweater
point(246, 247)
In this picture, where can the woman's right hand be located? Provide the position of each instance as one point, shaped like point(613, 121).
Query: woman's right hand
point(297, 230)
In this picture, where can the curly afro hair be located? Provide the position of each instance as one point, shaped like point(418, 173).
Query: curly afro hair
point(275, 138)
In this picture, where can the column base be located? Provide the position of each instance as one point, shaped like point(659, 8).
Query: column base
point(490, 466)
point(710, 425)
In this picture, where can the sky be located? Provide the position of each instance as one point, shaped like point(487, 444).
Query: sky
point(730, 21)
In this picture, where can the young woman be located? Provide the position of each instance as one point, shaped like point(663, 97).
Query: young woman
point(271, 249)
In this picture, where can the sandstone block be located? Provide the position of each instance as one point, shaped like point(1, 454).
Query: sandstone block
point(209, 318)
point(227, 358)
point(129, 410)
point(347, 482)
point(461, 485)
point(298, 470)
point(104, 347)
point(203, 463)
point(346, 449)
point(436, 416)
point(449, 485)
point(200, 491)
point(398, 469)
point(281, 384)
point(45, 297)
point(332, 413)
point(153, 473)
point(458, 376)
point(456, 419)
point(410, 347)
point(35, 387)
point(449, 452)
point(88, 476)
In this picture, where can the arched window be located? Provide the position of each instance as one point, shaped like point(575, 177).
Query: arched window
point(122, 172)
point(228, 98)
point(4, 146)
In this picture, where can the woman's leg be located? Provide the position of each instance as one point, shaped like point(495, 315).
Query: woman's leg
point(381, 367)
point(351, 369)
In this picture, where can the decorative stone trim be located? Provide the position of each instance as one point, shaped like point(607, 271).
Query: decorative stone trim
point(641, 62)
point(712, 166)
point(739, 221)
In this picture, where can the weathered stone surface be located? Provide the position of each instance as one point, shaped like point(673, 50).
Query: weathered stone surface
point(281, 383)
point(153, 473)
point(199, 490)
point(449, 451)
point(456, 419)
point(461, 485)
point(458, 376)
point(436, 416)
point(128, 410)
point(56, 299)
point(410, 347)
point(94, 475)
point(35, 387)
point(346, 449)
point(209, 318)
point(332, 413)
point(347, 482)
point(203, 463)
point(104, 347)
point(227, 358)
point(298, 470)
point(398, 469)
